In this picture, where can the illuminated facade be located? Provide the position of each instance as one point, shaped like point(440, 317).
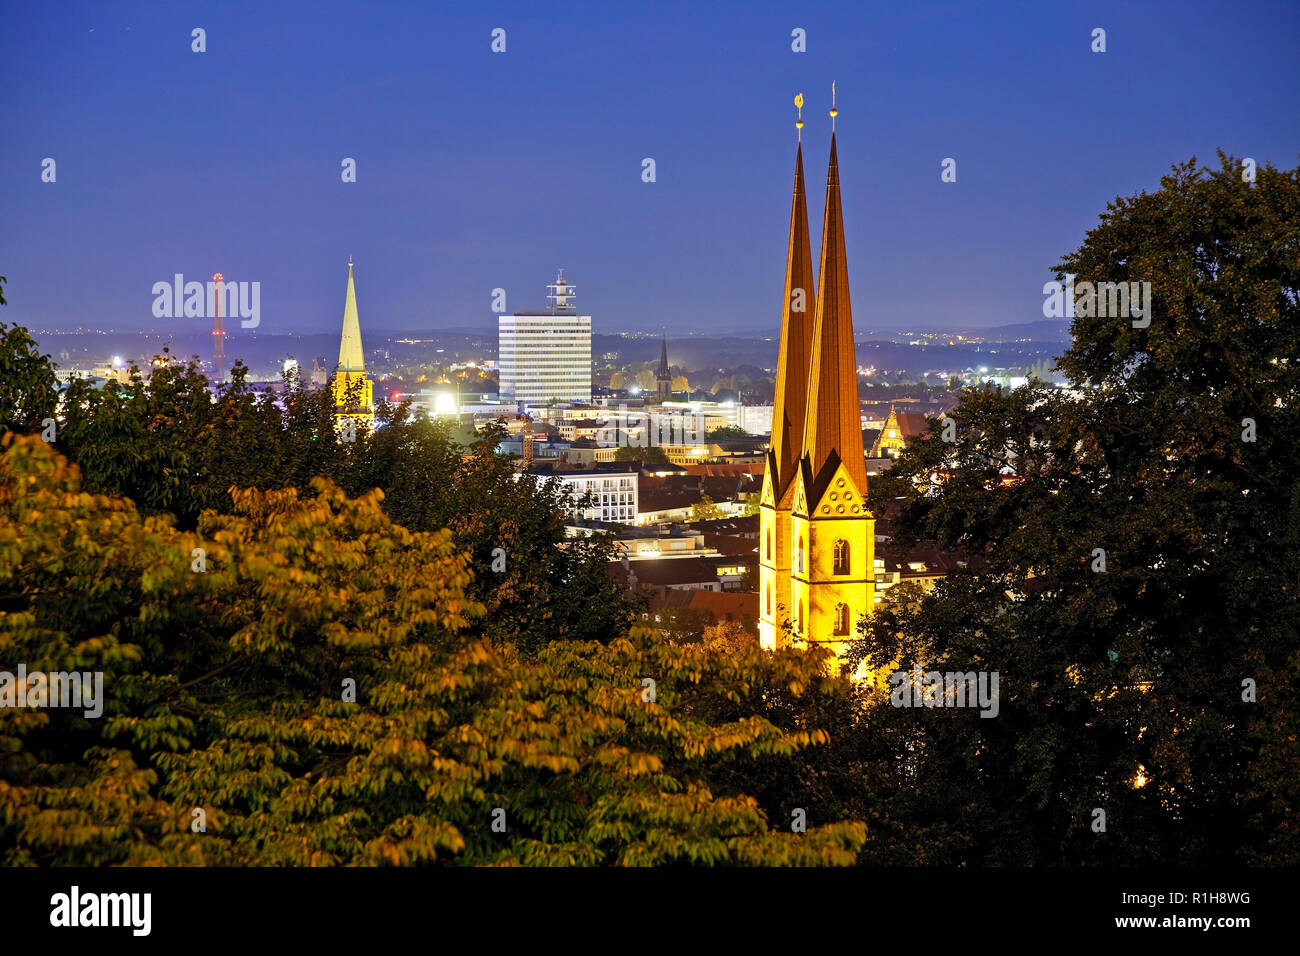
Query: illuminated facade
point(545, 357)
point(775, 552)
point(817, 538)
point(897, 432)
point(354, 393)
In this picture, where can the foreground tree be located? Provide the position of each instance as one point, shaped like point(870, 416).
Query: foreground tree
point(166, 442)
point(650, 454)
point(1140, 601)
point(297, 683)
point(28, 389)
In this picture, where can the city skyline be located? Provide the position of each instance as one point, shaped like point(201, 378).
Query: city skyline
point(912, 489)
point(478, 171)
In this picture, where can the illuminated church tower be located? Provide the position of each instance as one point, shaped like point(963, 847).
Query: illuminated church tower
point(774, 557)
point(351, 370)
point(832, 534)
point(833, 577)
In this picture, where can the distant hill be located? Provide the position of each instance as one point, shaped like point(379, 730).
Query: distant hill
point(1047, 331)
point(1044, 330)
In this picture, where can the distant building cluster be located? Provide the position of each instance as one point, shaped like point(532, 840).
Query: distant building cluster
point(677, 475)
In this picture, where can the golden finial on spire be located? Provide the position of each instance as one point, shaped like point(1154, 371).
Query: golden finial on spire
point(834, 111)
point(798, 123)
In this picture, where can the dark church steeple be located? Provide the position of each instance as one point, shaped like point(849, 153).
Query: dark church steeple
point(664, 377)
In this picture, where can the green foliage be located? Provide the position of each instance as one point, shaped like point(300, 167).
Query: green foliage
point(1140, 666)
point(28, 388)
point(651, 454)
point(164, 442)
point(161, 440)
point(680, 625)
point(223, 691)
point(706, 510)
point(723, 432)
point(552, 587)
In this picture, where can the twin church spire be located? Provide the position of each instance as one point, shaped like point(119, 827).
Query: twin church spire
point(833, 432)
point(816, 414)
point(791, 402)
point(816, 555)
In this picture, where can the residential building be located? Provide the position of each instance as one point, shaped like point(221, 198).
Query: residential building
point(613, 491)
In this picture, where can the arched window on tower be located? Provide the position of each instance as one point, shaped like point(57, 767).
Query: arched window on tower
point(769, 598)
point(841, 557)
point(800, 626)
point(798, 557)
point(769, 544)
point(841, 619)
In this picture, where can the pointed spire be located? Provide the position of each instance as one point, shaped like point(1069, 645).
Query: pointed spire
point(351, 356)
point(796, 341)
point(663, 358)
point(833, 431)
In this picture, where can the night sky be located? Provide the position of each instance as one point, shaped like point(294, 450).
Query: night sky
point(478, 170)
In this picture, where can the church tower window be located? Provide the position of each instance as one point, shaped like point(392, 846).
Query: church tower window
point(841, 557)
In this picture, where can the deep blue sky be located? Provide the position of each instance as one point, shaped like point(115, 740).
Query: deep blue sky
point(478, 170)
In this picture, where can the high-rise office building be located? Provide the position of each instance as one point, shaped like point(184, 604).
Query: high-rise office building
point(546, 356)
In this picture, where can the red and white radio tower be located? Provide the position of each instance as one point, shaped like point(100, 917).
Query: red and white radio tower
point(218, 333)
